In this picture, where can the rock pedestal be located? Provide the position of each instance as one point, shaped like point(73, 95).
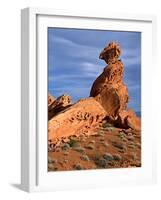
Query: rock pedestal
point(110, 90)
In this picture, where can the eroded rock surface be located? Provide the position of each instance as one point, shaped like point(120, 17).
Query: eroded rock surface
point(51, 99)
point(110, 53)
point(81, 118)
point(128, 119)
point(108, 99)
point(58, 104)
point(99, 131)
point(109, 89)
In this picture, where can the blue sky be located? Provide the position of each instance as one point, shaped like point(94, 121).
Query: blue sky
point(74, 64)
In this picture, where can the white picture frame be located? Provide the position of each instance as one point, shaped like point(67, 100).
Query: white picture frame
point(34, 175)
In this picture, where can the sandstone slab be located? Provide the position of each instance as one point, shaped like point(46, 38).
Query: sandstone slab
point(80, 118)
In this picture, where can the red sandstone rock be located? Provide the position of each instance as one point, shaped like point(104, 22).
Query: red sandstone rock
point(111, 92)
point(58, 105)
point(108, 98)
point(51, 99)
point(133, 121)
point(109, 89)
point(128, 119)
point(111, 52)
point(81, 118)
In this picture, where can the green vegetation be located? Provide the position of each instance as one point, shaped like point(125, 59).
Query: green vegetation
point(118, 145)
point(65, 146)
point(108, 156)
point(117, 157)
point(78, 167)
point(101, 162)
point(85, 157)
point(90, 146)
point(106, 125)
point(100, 133)
point(79, 149)
point(73, 143)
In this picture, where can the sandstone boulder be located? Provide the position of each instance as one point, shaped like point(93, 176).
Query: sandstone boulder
point(80, 118)
point(58, 105)
point(109, 89)
point(128, 119)
point(51, 99)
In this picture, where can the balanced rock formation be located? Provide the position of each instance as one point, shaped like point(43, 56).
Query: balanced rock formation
point(111, 92)
point(57, 105)
point(80, 118)
point(109, 89)
point(108, 100)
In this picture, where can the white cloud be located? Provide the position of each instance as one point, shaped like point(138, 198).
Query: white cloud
point(75, 49)
point(131, 56)
point(131, 61)
point(62, 40)
point(134, 87)
point(91, 67)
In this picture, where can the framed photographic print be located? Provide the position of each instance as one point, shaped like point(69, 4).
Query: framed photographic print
point(86, 108)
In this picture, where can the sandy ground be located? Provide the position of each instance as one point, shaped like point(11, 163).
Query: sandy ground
point(109, 147)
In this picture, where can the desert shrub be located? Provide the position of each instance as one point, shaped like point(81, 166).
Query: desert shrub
point(78, 167)
point(92, 141)
point(52, 160)
point(73, 143)
point(131, 146)
point(110, 128)
point(117, 157)
point(85, 157)
point(118, 145)
point(57, 149)
point(79, 149)
point(101, 162)
point(124, 149)
point(108, 156)
point(121, 135)
point(100, 133)
point(106, 125)
point(131, 138)
point(65, 146)
point(90, 146)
